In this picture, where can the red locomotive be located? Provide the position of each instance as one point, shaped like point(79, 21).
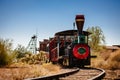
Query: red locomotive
point(70, 47)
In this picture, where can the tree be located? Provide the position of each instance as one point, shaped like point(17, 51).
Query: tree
point(96, 38)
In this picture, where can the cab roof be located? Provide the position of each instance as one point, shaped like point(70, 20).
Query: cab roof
point(71, 33)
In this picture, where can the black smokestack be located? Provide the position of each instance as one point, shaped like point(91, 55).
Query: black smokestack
point(79, 22)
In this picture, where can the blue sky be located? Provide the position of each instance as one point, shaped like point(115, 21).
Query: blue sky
point(20, 19)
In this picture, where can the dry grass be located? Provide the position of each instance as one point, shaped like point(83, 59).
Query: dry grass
point(108, 60)
point(113, 62)
point(20, 71)
point(51, 67)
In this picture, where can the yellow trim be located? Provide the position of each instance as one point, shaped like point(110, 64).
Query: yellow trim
point(79, 19)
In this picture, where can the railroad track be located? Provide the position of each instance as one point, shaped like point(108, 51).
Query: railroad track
point(86, 74)
point(75, 74)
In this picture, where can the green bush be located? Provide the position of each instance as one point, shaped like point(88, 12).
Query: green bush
point(20, 52)
point(6, 54)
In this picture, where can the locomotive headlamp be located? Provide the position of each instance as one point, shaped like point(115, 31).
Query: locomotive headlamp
point(81, 50)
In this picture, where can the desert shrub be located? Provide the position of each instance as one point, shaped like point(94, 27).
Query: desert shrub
point(105, 54)
point(115, 56)
point(114, 60)
point(20, 51)
point(39, 58)
point(7, 56)
point(109, 60)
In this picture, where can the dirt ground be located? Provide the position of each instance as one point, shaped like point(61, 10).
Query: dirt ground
point(20, 73)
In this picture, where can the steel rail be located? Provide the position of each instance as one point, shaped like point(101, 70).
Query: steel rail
point(100, 76)
point(65, 74)
point(55, 76)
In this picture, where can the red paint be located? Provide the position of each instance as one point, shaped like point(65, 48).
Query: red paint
point(77, 54)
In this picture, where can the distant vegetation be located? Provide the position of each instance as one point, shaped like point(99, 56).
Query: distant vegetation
point(39, 58)
point(20, 54)
point(20, 51)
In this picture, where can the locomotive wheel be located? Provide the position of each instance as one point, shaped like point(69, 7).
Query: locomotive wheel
point(81, 51)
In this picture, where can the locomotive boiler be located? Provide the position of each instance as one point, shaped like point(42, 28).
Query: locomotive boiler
point(70, 47)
